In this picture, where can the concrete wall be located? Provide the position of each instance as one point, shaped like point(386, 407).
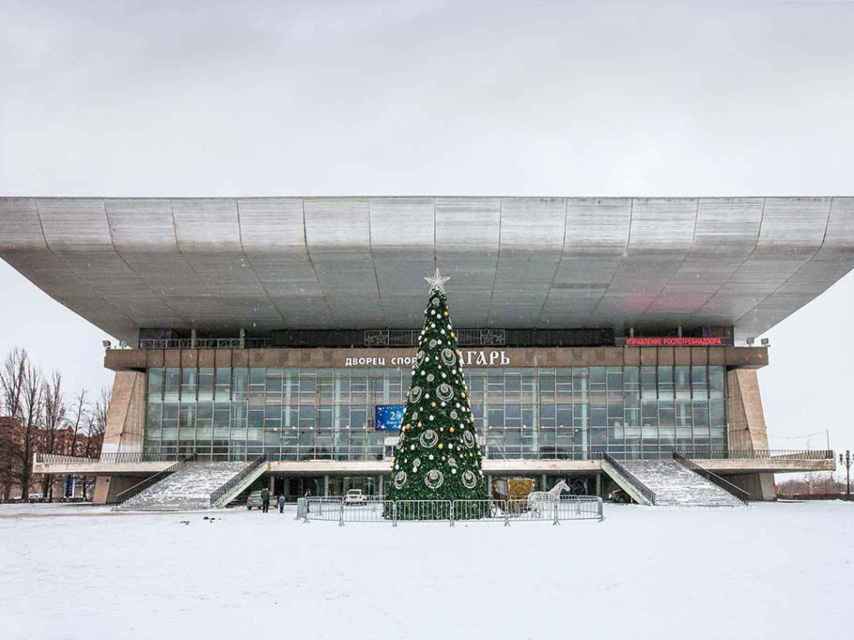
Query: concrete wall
point(325, 358)
point(760, 486)
point(745, 416)
point(126, 414)
point(124, 432)
point(108, 487)
point(746, 429)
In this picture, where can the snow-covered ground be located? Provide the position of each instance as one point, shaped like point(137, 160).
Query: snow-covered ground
point(774, 571)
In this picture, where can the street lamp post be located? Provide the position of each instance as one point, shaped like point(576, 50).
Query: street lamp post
point(847, 462)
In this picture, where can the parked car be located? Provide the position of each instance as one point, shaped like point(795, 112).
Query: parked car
point(355, 496)
point(254, 500)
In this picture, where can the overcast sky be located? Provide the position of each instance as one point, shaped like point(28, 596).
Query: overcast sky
point(448, 98)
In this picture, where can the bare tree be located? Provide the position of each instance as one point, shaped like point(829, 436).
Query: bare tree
point(53, 403)
point(12, 381)
point(32, 404)
point(12, 378)
point(8, 433)
point(96, 426)
point(75, 422)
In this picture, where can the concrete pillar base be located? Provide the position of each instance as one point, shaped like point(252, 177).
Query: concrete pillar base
point(108, 487)
point(760, 486)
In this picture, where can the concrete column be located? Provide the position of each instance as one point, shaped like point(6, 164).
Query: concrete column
point(193, 338)
point(747, 431)
point(543, 486)
point(599, 485)
point(325, 486)
point(108, 487)
point(272, 484)
point(124, 430)
point(760, 486)
point(126, 414)
point(380, 487)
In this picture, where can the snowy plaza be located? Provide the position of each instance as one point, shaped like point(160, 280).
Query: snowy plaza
point(780, 570)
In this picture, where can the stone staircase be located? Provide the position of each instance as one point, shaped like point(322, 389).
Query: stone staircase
point(676, 485)
point(188, 489)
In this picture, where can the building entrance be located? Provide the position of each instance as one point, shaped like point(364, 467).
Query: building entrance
point(296, 487)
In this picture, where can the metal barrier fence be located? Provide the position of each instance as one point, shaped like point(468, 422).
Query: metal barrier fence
point(497, 511)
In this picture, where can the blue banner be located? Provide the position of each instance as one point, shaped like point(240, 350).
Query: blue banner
point(388, 417)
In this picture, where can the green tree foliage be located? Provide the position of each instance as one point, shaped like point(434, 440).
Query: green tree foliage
point(438, 457)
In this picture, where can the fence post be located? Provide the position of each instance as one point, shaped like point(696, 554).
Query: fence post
point(556, 505)
point(341, 515)
point(506, 513)
point(601, 510)
point(394, 513)
point(451, 511)
point(305, 513)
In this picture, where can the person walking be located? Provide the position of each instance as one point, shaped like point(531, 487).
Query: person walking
point(281, 502)
point(265, 500)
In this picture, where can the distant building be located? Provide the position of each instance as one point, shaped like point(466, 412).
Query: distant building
point(594, 331)
point(65, 444)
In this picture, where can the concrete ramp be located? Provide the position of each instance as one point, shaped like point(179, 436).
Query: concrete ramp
point(624, 479)
point(239, 483)
point(189, 488)
point(676, 485)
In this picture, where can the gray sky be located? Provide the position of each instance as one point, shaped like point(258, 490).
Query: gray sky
point(534, 98)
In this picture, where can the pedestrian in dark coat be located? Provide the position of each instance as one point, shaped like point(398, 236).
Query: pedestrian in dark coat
point(281, 503)
point(265, 500)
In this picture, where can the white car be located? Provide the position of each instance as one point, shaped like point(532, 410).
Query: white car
point(355, 496)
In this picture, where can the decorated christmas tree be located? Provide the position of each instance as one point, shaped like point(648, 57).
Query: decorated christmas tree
point(437, 457)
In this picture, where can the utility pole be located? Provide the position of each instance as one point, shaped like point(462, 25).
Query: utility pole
point(847, 462)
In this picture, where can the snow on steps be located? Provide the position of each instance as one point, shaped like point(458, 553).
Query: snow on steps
point(189, 488)
point(676, 485)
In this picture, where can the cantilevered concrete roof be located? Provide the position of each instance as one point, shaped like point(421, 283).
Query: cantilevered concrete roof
point(358, 262)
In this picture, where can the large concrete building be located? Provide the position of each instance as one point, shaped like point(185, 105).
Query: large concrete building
point(597, 332)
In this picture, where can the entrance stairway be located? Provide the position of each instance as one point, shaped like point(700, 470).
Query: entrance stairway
point(676, 485)
point(194, 486)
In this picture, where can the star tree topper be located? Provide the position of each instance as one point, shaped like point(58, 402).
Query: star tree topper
point(436, 281)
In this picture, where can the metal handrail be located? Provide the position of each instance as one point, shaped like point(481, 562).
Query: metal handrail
point(644, 490)
point(713, 477)
point(55, 458)
point(204, 343)
point(375, 452)
point(151, 480)
point(646, 452)
point(234, 481)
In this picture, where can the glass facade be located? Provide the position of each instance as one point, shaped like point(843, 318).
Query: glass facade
point(305, 414)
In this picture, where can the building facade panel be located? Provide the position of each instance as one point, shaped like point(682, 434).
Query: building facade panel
point(573, 413)
point(730, 357)
point(643, 263)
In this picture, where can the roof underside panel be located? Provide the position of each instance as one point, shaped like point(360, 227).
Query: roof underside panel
point(325, 263)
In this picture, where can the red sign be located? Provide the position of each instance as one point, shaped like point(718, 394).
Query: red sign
point(674, 342)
